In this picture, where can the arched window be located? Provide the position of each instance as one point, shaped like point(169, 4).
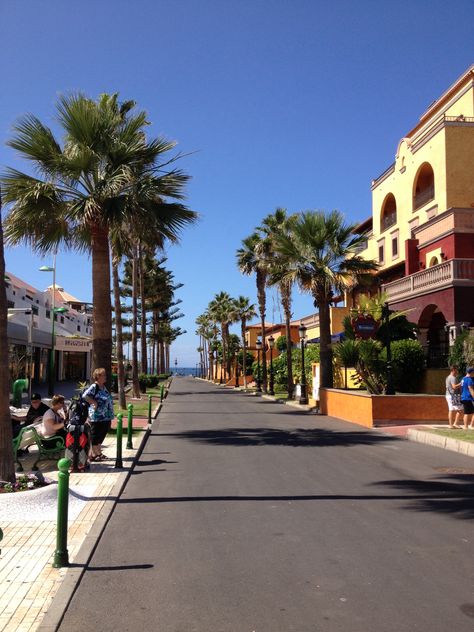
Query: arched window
point(423, 188)
point(433, 262)
point(388, 216)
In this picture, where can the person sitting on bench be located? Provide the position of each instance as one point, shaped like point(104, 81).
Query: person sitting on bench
point(54, 418)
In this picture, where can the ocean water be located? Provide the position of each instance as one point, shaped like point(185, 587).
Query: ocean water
point(185, 370)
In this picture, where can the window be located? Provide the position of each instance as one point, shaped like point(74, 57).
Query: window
point(48, 314)
point(423, 188)
point(381, 253)
point(10, 304)
point(388, 215)
point(78, 328)
point(394, 247)
point(34, 309)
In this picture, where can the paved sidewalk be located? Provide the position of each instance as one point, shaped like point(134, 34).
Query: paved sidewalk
point(29, 582)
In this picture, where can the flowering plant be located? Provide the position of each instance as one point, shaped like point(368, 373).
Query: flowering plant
point(23, 483)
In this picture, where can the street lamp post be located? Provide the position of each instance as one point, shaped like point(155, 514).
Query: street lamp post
point(236, 369)
point(60, 310)
point(271, 344)
point(258, 346)
point(304, 386)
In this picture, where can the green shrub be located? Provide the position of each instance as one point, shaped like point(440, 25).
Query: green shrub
point(408, 362)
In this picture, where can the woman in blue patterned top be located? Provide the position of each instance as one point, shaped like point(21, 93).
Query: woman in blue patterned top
point(101, 412)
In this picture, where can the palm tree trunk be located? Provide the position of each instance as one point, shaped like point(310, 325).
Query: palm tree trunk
point(119, 336)
point(244, 351)
point(135, 382)
point(285, 292)
point(325, 350)
point(7, 466)
point(102, 310)
point(261, 282)
point(141, 276)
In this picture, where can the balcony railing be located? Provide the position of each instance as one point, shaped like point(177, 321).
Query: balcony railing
point(387, 221)
point(448, 273)
point(423, 197)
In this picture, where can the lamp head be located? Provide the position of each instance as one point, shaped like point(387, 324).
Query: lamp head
point(271, 342)
point(46, 269)
point(258, 344)
point(302, 332)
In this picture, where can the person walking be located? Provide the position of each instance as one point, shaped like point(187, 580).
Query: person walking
point(467, 397)
point(101, 413)
point(453, 398)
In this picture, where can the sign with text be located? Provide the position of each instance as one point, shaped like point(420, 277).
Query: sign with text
point(365, 327)
point(82, 345)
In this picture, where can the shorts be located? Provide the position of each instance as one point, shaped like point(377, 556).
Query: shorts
point(99, 430)
point(468, 406)
point(452, 406)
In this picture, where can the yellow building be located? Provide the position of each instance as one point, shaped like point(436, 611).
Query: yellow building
point(421, 231)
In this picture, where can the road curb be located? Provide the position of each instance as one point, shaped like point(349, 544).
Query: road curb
point(439, 441)
point(61, 600)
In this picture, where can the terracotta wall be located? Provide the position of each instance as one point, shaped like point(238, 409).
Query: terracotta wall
point(382, 410)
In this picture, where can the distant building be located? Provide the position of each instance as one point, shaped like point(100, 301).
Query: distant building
point(421, 231)
point(73, 330)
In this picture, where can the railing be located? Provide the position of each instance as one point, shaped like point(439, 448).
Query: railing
point(459, 119)
point(423, 197)
point(387, 221)
point(448, 273)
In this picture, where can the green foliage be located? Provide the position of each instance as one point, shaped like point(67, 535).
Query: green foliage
point(280, 344)
point(408, 362)
point(280, 368)
point(248, 361)
point(458, 356)
point(149, 380)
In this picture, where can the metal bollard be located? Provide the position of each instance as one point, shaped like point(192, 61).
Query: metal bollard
point(130, 427)
point(149, 409)
point(162, 391)
point(61, 555)
point(118, 458)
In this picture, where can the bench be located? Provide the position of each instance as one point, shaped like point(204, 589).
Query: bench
point(48, 449)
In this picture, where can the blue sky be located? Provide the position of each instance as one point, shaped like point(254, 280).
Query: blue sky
point(297, 104)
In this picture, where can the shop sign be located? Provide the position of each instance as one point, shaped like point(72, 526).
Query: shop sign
point(73, 344)
point(365, 327)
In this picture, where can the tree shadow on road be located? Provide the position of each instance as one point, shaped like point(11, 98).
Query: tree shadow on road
point(296, 438)
point(449, 494)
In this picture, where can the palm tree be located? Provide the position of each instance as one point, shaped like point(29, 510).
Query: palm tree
point(105, 174)
point(320, 254)
point(279, 223)
point(222, 309)
point(244, 311)
point(252, 258)
point(7, 467)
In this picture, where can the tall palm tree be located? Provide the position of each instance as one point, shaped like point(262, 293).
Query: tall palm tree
point(320, 254)
point(252, 258)
point(244, 311)
point(7, 467)
point(279, 223)
point(222, 309)
point(105, 173)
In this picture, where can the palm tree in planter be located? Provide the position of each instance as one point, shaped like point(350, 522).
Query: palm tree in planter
point(320, 254)
point(85, 186)
point(244, 311)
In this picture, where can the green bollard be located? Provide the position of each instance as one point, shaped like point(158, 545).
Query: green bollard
point(162, 391)
point(130, 427)
point(61, 555)
point(118, 458)
point(149, 409)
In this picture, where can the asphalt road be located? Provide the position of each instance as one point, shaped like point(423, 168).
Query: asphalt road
point(244, 515)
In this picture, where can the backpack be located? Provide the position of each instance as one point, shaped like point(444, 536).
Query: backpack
point(79, 409)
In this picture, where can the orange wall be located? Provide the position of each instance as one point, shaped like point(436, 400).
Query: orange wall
point(382, 410)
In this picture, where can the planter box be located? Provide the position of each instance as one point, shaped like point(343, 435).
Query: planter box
point(382, 410)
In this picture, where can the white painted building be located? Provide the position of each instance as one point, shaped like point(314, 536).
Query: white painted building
point(73, 330)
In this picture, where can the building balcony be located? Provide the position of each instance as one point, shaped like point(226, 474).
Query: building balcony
point(453, 220)
point(455, 272)
point(423, 197)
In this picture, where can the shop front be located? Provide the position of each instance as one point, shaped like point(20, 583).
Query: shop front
point(74, 356)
